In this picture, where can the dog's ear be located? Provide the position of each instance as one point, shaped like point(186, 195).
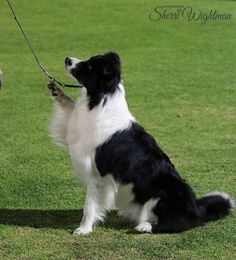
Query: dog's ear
point(113, 56)
point(109, 70)
point(112, 66)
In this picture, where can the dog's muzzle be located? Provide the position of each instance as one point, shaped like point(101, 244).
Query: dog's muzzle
point(71, 63)
point(68, 61)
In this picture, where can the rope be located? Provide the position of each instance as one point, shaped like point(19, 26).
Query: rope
point(41, 66)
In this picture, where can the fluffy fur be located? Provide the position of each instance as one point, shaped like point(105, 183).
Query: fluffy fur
point(118, 162)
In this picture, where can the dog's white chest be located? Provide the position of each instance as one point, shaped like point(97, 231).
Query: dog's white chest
point(87, 129)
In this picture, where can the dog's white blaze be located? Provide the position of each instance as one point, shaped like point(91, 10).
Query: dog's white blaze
point(74, 62)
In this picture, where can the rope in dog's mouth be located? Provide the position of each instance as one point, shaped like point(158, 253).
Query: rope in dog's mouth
point(41, 66)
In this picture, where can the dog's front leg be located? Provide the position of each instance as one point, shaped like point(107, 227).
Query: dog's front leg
point(93, 211)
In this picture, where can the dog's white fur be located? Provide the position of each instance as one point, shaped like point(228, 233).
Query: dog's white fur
point(81, 130)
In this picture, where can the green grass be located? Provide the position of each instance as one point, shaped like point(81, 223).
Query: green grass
point(181, 85)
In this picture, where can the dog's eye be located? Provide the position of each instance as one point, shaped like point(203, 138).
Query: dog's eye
point(89, 67)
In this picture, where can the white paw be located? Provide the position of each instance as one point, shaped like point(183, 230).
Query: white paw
point(82, 231)
point(144, 227)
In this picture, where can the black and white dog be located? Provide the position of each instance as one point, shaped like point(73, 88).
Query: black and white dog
point(118, 162)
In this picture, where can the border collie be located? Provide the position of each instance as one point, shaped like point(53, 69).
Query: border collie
point(120, 164)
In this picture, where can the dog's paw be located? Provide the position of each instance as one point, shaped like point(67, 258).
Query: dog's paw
point(52, 87)
point(55, 90)
point(81, 231)
point(144, 227)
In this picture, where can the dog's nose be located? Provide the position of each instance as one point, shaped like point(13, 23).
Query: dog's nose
point(68, 61)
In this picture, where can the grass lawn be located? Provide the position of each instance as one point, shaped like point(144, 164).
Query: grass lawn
point(180, 80)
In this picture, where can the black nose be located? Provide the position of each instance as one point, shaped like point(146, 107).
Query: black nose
point(68, 61)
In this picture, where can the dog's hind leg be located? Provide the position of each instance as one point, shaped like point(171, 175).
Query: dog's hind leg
point(147, 217)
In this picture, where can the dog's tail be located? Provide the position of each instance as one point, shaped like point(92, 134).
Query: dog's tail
point(213, 206)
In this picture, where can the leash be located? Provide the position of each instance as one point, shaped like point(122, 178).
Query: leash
point(41, 66)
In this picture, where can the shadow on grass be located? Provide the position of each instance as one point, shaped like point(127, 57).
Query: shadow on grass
point(58, 219)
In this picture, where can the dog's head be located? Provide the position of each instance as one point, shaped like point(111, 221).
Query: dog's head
point(100, 74)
